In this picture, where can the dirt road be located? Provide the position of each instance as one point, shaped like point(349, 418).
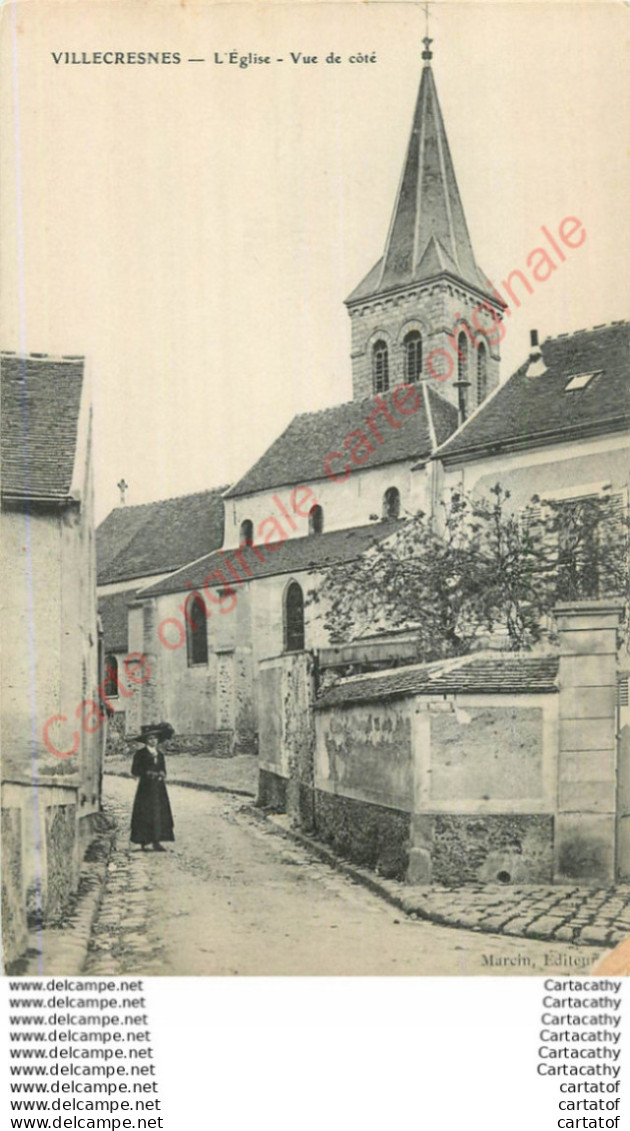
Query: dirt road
point(233, 897)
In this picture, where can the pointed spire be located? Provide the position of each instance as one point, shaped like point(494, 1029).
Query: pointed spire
point(428, 234)
point(428, 224)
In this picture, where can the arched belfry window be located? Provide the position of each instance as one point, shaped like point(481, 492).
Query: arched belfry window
point(391, 503)
point(482, 372)
point(294, 618)
point(196, 630)
point(316, 520)
point(380, 366)
point(462, 357)
point(462, 373)
point(110, 690)
point(413, 356)
point(247, 532)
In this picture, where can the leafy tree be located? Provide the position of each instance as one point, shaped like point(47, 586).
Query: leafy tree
point(484, 568)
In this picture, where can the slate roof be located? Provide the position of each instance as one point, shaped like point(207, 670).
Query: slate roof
point(315, 551)
point(298, 455)
point(428, 234)
point(41, 401)
point(112, 610)
point(158, 537)
point(529, 410)
point(479, 674)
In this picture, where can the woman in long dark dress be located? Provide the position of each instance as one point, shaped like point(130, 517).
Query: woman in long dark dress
point(151, 819)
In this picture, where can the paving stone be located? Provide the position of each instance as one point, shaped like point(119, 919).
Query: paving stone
point(516, 926)
point(594, 934)
point(564, 934)
point(494, 922)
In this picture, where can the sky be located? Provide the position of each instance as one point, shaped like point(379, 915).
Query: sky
point(193, 229)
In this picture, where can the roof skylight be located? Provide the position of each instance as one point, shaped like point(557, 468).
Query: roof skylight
point(580, 381)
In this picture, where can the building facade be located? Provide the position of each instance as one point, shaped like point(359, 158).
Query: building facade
point(136, 546)
point(53, 732)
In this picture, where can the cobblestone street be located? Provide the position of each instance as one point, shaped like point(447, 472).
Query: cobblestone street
point(559, 913)
point(231, 896)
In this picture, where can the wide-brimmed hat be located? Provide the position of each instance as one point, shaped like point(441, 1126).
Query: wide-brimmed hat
point(162, 731)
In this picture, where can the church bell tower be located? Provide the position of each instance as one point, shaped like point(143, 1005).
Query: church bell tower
point(426, 311)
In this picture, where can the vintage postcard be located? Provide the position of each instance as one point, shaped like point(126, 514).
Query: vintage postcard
point(315, 366)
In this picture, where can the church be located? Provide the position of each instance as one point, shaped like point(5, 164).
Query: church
point(424, 348)
point(426, 326)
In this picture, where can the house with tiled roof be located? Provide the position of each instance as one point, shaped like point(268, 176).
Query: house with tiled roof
point(141, 545)
point(52, 727)
point(558, 428)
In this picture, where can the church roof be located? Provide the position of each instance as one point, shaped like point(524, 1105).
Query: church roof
point(294, 555)
point(428, 234)
point(581, 388)
point(298, 455)
point(41, 408)
point(158, 537)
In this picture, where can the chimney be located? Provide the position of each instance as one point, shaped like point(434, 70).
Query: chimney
point(536, 366)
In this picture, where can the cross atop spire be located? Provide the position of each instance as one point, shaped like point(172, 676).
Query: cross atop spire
point(427, 54)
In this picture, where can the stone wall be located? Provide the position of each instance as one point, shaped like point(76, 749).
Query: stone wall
point(365, 752)
point(287, 735)
point(272, 791)
point(370, 835)
point(493, 848)
point(463, 787)
point(14, 932)
point(364, 783)
point(299, 735)
point(468, 783)
point(116, 742)
point(218, 744)
point(271, 707)
point(61, 857)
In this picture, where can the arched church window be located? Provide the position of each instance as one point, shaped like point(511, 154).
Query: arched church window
point(294, 618)
point(380, 366)
point(247, 532)
point(391, 503)
point(462, 373)
point(196, 630)
point(482, 372)
point(316, 520)
point(413, 356)
point(110, 690)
